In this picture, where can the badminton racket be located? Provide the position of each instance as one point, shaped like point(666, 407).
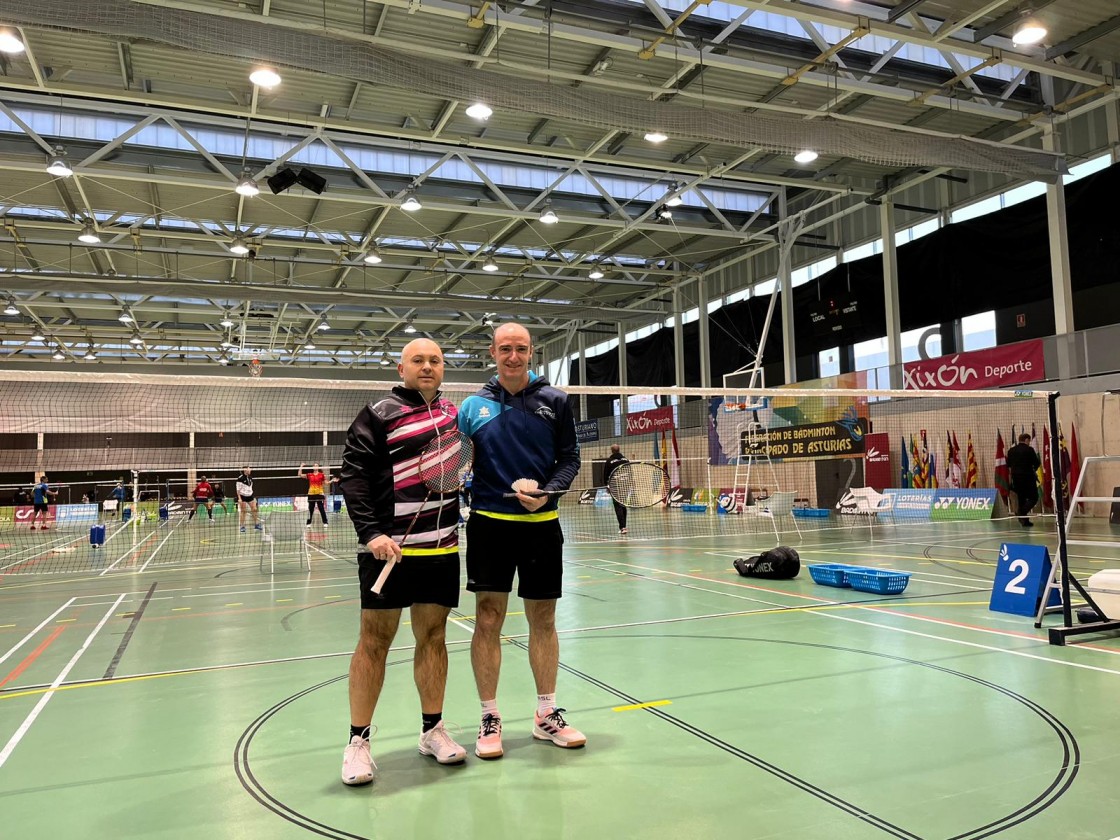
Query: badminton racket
point(441, 466)
point(635, 484)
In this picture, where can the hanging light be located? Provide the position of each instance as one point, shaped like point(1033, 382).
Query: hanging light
point(125, 317)
point(10, 42)
point(58, 355)
point(596, 273)
point(385, 360)
point(372, 257)
point(409, 327)
point(246, 186)
point(89, 235)
point(664, 213)
point(490, 265)
point(806, 156)
point(309, 344)
point(37, 334)
point(265, 77)
point(459, 348)
point(136, 340)
point(323, 326)
point(11, 308)
point(227, 343)
point(1029, 32)
point(673, 197)
point(656, 137)
point(479, 111)
point(90, 355)
point(410, 203)
point(58, 164)
point(223, 359)
point(239, 246)
point(226, 321)
point(548, 215)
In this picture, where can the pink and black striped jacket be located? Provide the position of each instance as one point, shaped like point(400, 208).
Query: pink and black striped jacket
point(381, 478)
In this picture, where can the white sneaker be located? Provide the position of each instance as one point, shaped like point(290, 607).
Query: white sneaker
point(358, 766)
point(308, 526)
point(437, 743)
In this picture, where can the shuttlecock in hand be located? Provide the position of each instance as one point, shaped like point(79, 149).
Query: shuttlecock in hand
point(525, 485)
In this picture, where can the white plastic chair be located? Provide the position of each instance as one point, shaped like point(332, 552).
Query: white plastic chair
point(284, 528)
point(870, 503)
point(781, 504)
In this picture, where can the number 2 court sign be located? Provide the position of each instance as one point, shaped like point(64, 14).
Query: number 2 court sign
point(1022, 573)
point(1011, 364)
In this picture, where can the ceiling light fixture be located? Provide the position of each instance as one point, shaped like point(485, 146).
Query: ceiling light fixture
point(656, 136)
point(665, 214)
point(548, 215)
point(88, 235)
point(58, 164)
point(372, 257)
point(246, 186)
point(385, 360)
point(136, 340)
point(125, 317)
point(490, 265)
point(223, 359)
point(227, 343)
point(479, 111)
point(226, 321)
point(1029, 32)
point(10, 42)
point(90, 355)
point(323, 326)
point(11, 308)
point(265, 77)
point(58, 355)
point(807, 156)
point(37, 334)
point(596, 273)
point(309, 345)
point(239, 246)
point(410, 203)
point(673, 197)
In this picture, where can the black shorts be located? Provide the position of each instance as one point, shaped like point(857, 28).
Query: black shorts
point(425, 579)
point(248, 499)
point(41, 507)
point(496, 548)
point(201, 500)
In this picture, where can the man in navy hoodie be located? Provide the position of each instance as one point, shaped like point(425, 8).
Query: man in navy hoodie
point(522, 427)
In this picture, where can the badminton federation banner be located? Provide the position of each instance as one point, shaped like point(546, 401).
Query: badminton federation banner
point(1011, 364)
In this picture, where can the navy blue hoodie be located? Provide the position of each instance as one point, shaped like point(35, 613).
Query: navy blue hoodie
point(531, 434)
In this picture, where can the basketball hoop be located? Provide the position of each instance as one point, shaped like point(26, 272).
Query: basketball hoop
point(255, 368)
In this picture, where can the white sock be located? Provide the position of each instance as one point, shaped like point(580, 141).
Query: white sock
point(545, 703)
point(490, 707)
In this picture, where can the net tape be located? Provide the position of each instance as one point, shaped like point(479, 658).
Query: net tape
point(336, 54)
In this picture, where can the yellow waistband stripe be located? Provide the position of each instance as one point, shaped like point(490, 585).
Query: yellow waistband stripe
point(544, 516)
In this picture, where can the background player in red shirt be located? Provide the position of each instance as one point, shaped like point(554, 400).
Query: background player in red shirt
point(316, 493)
point(203, 495)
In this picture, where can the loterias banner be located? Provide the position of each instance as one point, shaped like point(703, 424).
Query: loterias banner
point(1011, 364)
point(814, 440)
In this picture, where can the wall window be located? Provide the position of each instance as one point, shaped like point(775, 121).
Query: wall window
point(910, 339)
point(829, 362)
point(871, 354)
point(979, 331)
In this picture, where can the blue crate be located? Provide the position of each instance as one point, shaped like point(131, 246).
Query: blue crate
point(811, 513)
point(830, 574)
point(878, 580)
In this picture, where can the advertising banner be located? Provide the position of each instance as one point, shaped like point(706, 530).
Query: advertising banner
point(953, 505)
point(841, 439)
point(877, 472)
point(1011, 364)
point(587, 431)
point(76, 513)
point(680, 496)
point(654, 420)
point(910, 505)
point(23, 514)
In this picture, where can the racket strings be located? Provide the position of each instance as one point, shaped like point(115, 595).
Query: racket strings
point(638, 485)
point(444, 460)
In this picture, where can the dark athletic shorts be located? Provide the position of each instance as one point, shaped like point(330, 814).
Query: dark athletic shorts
point(41, 507)
point(423, 579)
point(247, 499)
point(496, 548)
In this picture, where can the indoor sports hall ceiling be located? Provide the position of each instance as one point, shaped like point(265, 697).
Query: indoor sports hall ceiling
point(151, 105)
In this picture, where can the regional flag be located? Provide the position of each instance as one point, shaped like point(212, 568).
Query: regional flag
point(972, 469)
point(1003, 474)
point(905, 479)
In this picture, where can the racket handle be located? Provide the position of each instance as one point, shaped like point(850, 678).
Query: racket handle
point(384, 576)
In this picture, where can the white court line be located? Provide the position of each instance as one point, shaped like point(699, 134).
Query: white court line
point(43, 624)
point(158, 547)
point(13, 742)
point(915, 574)
point(119, 559)
point(57, 542)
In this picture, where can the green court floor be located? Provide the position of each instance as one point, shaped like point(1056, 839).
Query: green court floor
point(181, 692)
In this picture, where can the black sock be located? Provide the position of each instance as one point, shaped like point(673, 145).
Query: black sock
point(430, 721)
point(361, 731)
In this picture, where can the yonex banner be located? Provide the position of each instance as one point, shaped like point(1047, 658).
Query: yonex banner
point(654, 420)
point(587, 431)
point(953, 505)
point(1011, 364)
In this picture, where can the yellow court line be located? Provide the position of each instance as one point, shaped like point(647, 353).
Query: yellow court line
point(649, 705)
point(34, 691)
point(7, 625)
point(283, 600)
point(179, 609)
point(65, 620)
point(584, 577)
point(235, 604)
point(328, 597)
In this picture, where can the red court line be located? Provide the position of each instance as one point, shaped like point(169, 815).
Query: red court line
point(31, 657)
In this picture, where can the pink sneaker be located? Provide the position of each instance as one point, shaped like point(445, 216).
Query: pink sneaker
point(553, 727)
point(489, 743)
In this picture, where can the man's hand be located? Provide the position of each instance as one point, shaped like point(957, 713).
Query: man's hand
point(531, 503)
point(383, 548)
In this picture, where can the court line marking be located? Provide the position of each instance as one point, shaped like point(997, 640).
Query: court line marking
point(31, 657)
point(158, 547)
point(131, 550)
point(635, 706)
point(13, 742)
point(30, 635)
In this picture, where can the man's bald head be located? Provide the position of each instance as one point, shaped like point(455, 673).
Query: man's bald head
point(512, 350)
point(421, 367)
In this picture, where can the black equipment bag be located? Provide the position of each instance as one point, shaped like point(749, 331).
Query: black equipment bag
point(781, 563)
